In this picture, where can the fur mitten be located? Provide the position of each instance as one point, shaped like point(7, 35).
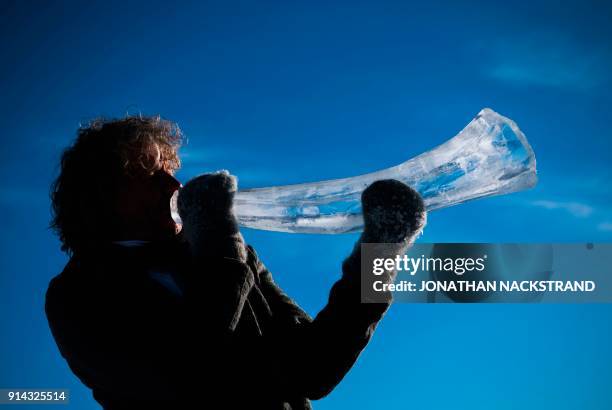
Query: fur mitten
point(209, 225)
point(394, 215)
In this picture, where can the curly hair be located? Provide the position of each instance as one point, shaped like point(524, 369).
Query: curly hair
point(104, 151)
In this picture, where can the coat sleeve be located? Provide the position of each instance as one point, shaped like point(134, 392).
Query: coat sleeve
point(216, 280)
point(217, 291)
point(285, 310)
point(310, 358)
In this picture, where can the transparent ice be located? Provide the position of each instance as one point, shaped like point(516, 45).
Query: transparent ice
point(490, 156)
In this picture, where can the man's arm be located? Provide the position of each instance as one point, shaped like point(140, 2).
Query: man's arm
point(310, 358)
point(219, 280)
point(306, 357)
point(314, 355)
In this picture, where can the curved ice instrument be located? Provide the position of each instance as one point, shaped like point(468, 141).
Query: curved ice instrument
point(490, 156)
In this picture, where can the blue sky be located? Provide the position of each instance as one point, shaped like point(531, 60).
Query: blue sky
point(286, 92)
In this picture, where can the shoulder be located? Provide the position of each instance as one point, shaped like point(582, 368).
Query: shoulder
point(76, 288)
point(61, 288)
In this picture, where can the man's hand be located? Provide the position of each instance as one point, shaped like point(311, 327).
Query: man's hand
point(394, 215)
point(392, 212)
point(209, 224)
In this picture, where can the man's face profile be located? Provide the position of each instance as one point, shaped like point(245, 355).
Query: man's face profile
point(142, 201)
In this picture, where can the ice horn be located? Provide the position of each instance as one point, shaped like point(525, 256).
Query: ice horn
point(490, 156)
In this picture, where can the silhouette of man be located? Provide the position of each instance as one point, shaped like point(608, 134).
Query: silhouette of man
point(151, 316)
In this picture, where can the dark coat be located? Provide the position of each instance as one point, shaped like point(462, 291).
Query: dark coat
point(149, 327)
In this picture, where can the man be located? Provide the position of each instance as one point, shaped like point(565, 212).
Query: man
point(149, 315)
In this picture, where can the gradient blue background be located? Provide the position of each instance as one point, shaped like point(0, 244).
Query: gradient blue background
point(290, 92)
